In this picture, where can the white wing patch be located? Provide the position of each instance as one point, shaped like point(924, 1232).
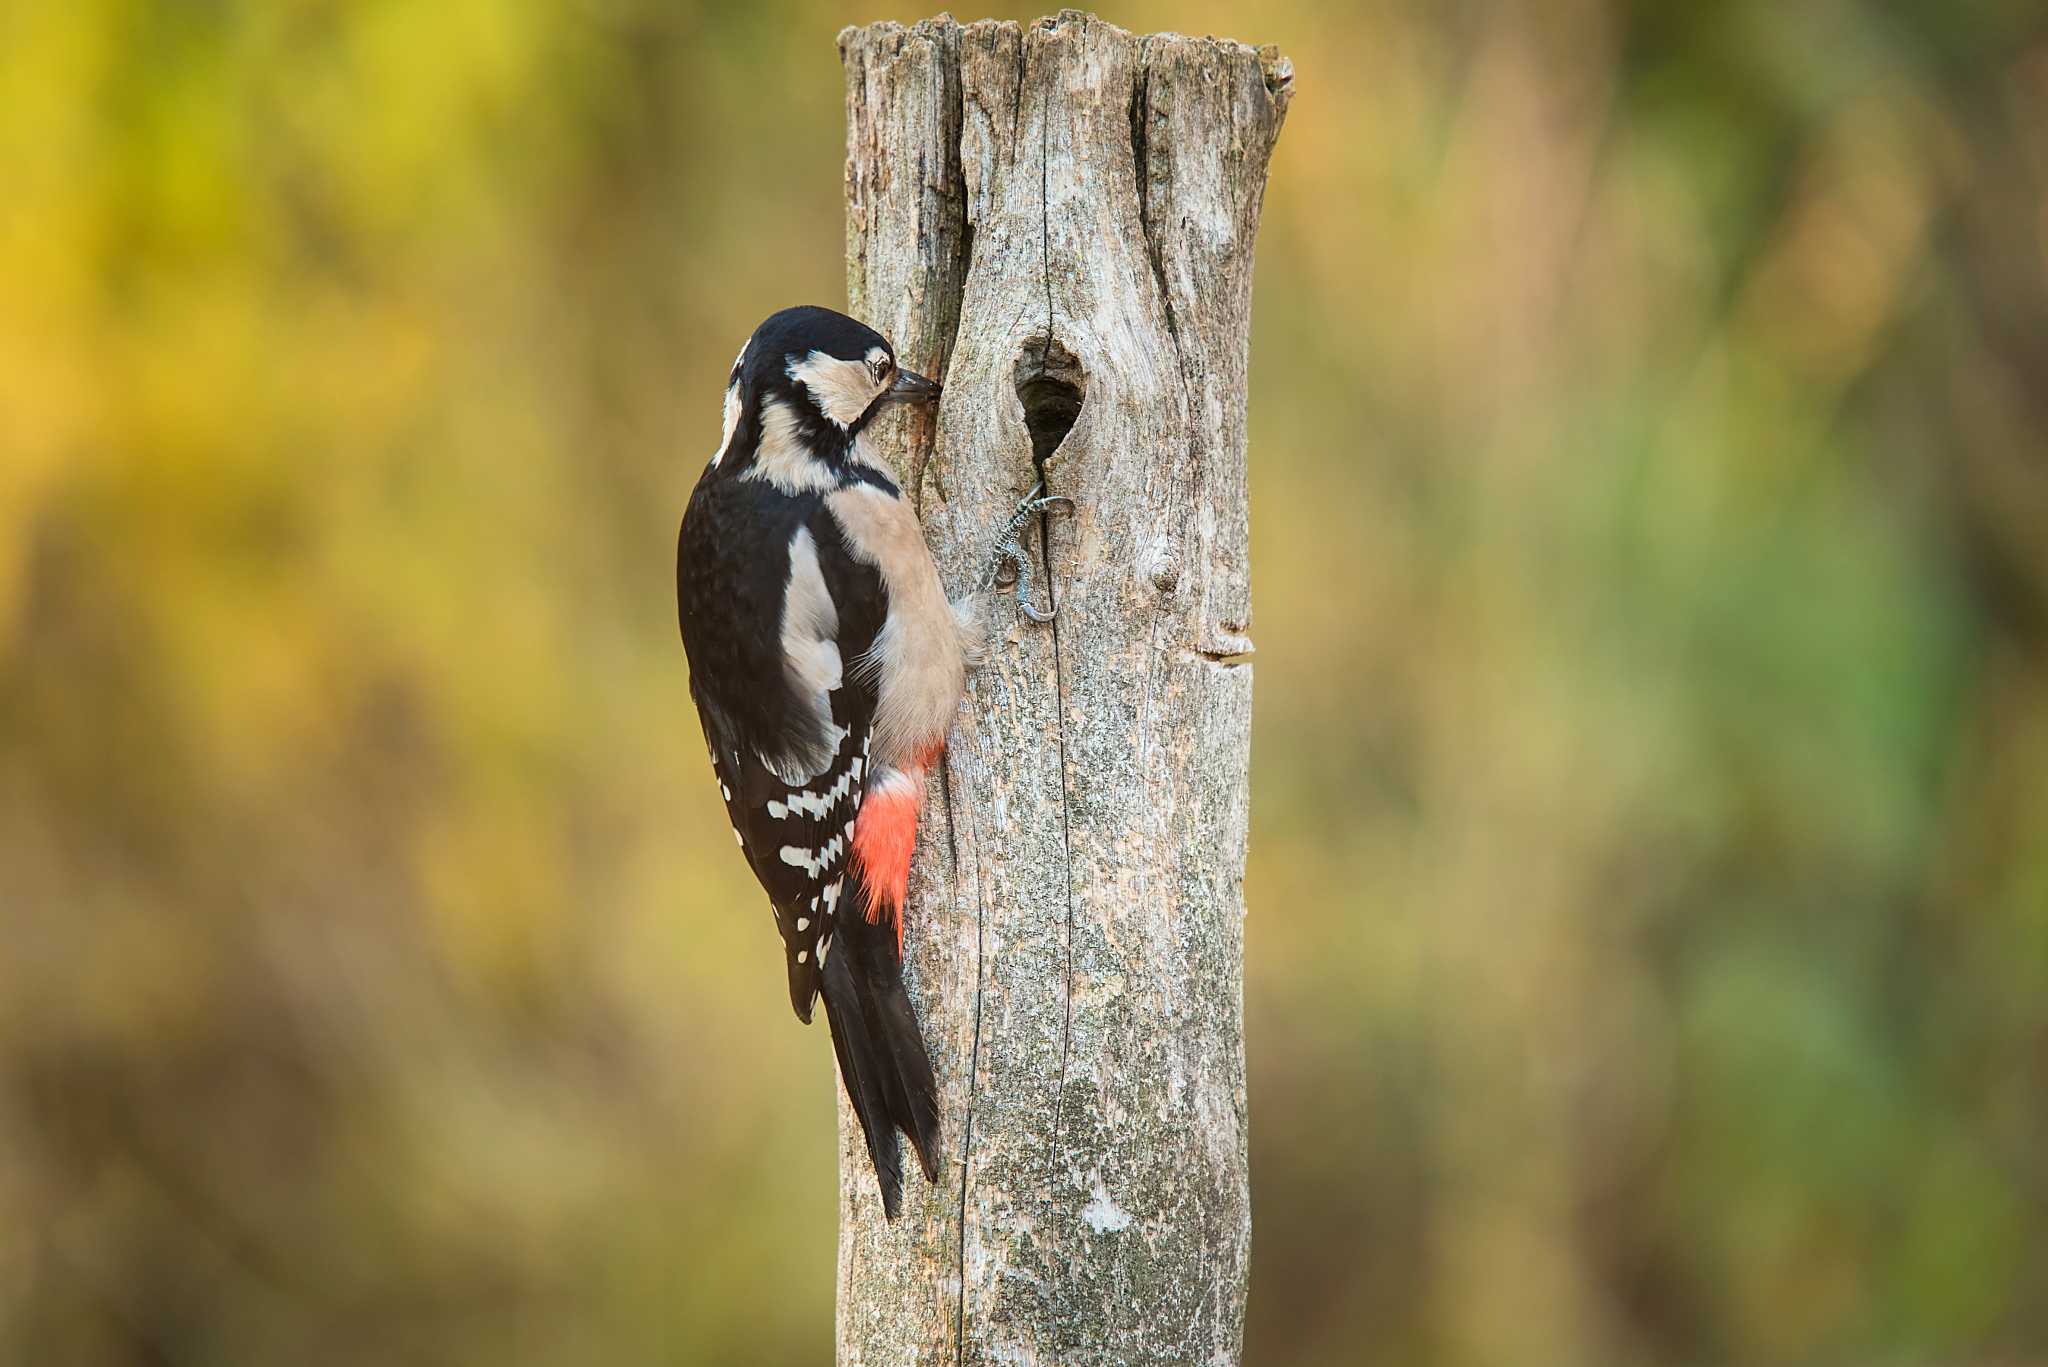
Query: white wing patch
point(810, 657)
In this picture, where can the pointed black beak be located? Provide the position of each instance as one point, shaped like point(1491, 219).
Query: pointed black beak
point(911, 387)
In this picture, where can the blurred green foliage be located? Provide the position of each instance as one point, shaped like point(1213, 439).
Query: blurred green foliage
point(1648, 955)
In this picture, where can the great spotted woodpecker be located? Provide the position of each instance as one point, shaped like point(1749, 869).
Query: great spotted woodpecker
point(826, 664)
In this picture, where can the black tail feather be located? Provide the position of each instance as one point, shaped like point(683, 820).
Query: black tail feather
point(862, 1071)
point(882, 1057)
point(920, 1117)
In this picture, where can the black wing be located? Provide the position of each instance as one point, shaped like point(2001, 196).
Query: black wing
point(792, 787)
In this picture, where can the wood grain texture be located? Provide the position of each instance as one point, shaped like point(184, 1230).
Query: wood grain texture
point(1072, 203)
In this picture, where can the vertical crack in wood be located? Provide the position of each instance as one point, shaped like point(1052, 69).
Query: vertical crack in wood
point(1046, 381)
point(957, 249)
point(1141, 160)
point(1060, 692)
point(1045, 202)
point(973, 1064)
point(1045, 111)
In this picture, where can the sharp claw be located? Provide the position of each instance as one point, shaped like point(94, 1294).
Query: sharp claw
point(1024, 591)
point(1010, 553)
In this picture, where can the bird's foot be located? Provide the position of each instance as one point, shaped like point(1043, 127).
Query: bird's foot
point(1011, 563)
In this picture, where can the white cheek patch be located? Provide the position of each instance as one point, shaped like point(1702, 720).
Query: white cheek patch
point(783, 460)
point(843, 389)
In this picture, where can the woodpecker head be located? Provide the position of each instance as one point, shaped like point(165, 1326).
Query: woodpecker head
point(801, 390)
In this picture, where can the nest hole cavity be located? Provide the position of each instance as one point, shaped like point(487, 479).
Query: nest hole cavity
point(1049, 383)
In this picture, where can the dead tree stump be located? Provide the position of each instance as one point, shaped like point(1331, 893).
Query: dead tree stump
point(1058, 221)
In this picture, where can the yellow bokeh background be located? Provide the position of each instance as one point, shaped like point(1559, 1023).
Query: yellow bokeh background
point(1648, 944)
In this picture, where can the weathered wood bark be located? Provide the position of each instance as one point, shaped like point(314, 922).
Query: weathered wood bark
point(1048, 217)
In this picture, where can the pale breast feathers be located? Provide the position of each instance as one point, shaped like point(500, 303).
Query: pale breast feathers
point(916, 661)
